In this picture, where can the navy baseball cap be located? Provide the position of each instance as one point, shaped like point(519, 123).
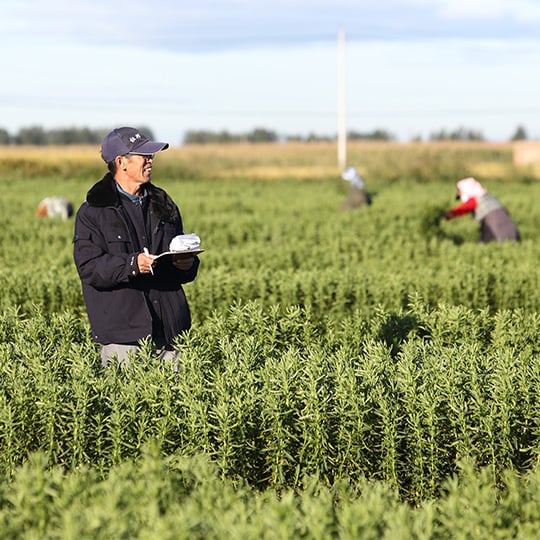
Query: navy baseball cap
point(128, 140)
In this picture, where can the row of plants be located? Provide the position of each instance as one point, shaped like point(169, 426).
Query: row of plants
point(187, 498)
point(273, 395)
point(287, 243)
point(354, 374)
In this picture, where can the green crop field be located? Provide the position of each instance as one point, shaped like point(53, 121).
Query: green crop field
point(363, 374)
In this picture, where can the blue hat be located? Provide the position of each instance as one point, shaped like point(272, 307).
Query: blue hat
point(127, 140)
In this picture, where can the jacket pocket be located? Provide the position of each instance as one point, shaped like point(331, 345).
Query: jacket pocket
point(118, 242)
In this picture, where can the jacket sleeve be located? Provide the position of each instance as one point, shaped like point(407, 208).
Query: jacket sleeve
point(462, 209)
point(103, 263)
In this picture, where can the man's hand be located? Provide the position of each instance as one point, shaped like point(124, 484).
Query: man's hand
point(145, 263)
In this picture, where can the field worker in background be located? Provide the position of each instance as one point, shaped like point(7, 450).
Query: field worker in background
point(495, 221)
point(357, 196)
point(55, 207)
point(124, 219)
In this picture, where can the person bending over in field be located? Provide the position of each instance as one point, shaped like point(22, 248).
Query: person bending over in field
point(495, 221)
point(55, 207)
point(358, 195)
point(124, 218)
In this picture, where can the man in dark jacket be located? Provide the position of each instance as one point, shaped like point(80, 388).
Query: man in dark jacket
point(130, 296)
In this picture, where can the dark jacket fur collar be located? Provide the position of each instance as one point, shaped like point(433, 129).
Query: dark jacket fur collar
point(104, 193)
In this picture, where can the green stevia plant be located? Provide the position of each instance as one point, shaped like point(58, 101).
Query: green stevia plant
point(348, 374)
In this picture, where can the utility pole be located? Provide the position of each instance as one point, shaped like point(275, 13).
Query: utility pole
point(342, 127)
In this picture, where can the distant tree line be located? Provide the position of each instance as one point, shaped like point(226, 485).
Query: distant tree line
point(463, 134)
point(208, 137)
point(266, 135)
point(460, 134)
point(36, 135)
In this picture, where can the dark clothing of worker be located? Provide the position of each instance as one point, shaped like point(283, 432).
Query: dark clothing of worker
point(123, 304)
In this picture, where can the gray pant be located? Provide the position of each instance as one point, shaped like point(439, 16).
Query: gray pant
point(124, 354)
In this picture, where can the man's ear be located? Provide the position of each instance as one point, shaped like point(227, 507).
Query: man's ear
point(120, 163)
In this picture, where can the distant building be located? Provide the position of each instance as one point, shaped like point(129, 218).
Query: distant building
point(526, 152)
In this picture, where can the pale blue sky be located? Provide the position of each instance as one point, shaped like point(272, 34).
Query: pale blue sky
point(413, 67)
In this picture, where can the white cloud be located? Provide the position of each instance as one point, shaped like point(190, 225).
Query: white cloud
point(208, 25)
point(413, 65)
point(516, 10)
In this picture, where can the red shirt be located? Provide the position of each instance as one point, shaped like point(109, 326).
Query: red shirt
point(463, 208)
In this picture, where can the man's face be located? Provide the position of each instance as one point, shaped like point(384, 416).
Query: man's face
point(139, 168)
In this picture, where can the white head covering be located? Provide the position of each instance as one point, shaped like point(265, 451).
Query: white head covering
point(351, 175)
point(469, 188)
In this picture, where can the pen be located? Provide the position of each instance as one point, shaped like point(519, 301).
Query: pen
point(147, 253)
